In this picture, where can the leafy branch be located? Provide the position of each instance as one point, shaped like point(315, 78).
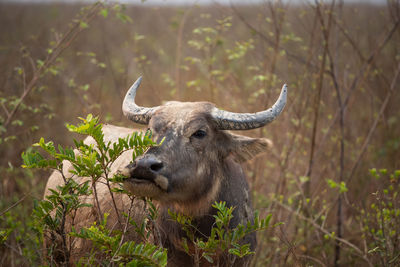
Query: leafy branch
point(222, 239)
point(91, 160)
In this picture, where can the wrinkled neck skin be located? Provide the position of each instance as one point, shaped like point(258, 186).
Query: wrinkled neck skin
point(235, 193)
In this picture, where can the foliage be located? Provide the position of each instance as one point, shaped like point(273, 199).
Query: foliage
point(223, 238)
point(381, 221)
point(118, 252)
point(93, 161)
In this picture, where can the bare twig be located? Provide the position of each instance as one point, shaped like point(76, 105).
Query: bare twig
point(14, 205)
point(317, 99)
point(5, 109)
point(373, 127)
point(179, 52)
point(313, 259)
point(364, 69)
point(339, 220)
point(99, 214)
point(124, 232)
point(323, 230)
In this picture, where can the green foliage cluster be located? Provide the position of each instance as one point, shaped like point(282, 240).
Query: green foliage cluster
point(381, 221)
point(93, 161)
point(223, 238)
point(116, 251)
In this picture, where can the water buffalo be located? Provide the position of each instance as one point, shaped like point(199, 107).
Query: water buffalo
point(196, 165)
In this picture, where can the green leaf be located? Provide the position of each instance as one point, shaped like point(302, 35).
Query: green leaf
point(17, 123)
point(83, 24)
point(40, 63)
point(104, 12)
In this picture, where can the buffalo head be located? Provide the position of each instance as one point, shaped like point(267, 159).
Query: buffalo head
point(194, 157)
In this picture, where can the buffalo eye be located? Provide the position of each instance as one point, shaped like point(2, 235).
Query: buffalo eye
point(199, 134)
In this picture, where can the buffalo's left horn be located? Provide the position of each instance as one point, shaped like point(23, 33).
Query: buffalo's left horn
point(245, 121)
point(134, 112)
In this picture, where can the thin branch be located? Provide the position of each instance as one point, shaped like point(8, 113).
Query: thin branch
point(123, 233)
point(179, 52)
point(373, 127)
point(362, 72)
point(339, 219)
point(5, 109)
point(313, 259)
point(51, 58)
point(270, 42)
point(317, 100)
point(99, 214)
point(13, 205)
point(323, 230)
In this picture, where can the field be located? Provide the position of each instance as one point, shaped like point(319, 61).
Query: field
point(332, 178)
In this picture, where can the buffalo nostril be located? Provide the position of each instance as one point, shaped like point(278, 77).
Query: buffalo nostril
point(149, 163)
point(156, 166)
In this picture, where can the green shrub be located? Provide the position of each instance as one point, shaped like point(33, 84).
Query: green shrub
point(50, 215)
point(381, 220)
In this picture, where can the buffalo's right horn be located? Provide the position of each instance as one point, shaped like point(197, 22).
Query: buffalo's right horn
point(134, 112)
point(226, 120)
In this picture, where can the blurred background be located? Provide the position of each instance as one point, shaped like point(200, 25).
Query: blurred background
point(331, 176)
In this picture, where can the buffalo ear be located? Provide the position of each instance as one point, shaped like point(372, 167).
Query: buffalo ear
point(244, 148)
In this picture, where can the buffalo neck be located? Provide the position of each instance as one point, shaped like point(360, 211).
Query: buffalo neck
point(234, 190)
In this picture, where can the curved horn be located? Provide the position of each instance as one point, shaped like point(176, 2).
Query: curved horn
point(134, 112)
point(245, 121)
